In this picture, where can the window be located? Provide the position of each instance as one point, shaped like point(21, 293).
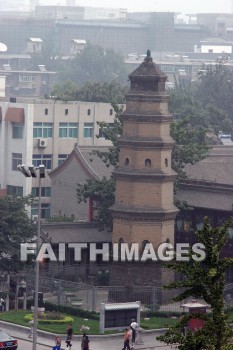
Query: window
point(45, 191)
point(42, 130)
point(14, 190)
point(16, 160)
point(88, 112)
point(126, 161)
point(88, 130)
point(45, 210)
point(17, 131)
point(111, 111)
point(166, 162)
point(68, 130)
point(46, 111)
point(66, 111)
point(148, 163)
point(26, 78)
point(45, 159)
point(144, 243)
point(62, 158)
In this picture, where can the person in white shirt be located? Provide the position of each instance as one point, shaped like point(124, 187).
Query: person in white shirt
point(2, 304)
point(134, 326)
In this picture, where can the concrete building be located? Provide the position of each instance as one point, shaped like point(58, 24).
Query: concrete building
point(27, 83)
point(34, 45)
point(122, 32)
point(44, 132)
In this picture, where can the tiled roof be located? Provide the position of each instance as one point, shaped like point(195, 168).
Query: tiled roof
point(96, 164)
point(217, 167)
point(75, 233)
point(92, 163)
point(201, 198)
point(147, 69)
point(210, 181)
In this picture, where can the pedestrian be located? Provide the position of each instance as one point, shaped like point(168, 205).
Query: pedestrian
point(69, 336)
point(85, 342)
point(127, 336)
point(134, 326)
point(183, 324)
point(31, 323)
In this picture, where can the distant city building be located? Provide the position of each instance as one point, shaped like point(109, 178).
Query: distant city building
point(34, 45)
point(76, 46)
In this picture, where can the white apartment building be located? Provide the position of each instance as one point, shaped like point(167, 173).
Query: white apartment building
point(36, 131)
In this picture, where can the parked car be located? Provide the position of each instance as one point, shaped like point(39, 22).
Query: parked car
point(7, 342)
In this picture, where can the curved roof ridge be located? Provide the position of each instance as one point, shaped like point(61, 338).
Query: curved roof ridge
point(77, 149)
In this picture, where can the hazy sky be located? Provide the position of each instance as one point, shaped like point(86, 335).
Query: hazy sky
point(184, 6)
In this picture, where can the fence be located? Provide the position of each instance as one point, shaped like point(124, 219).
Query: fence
point(89, 296)
point(86, 296)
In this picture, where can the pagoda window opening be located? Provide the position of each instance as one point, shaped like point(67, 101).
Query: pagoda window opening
point(166, 162)
point(126, 161)
point(148, 163)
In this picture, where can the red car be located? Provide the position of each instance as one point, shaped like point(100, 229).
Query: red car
point(7, 342)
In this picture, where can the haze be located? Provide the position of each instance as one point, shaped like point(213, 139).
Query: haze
point(183, 6)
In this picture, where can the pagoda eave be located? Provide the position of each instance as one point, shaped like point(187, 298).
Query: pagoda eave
point(146, 143)
point(143, 214)
point(142, 176)
point(156, 118)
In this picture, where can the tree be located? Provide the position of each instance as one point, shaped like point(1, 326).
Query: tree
point(90, 92)
point(204, 279)
point(215, 88)
point(15, 227)
point(94, 64)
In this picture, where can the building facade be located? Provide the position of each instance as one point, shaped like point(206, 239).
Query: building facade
point(34, 131)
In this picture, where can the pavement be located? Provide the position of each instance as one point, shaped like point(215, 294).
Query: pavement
point(97, 342)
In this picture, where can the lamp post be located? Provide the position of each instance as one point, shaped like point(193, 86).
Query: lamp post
point(30, 171)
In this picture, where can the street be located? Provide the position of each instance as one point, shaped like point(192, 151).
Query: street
point(46, 340)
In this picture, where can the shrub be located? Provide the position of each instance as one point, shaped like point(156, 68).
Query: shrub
point(64, 320)
point(71, 311)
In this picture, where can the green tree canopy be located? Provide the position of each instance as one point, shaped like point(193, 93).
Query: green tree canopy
point(15, 227)
point(204, 279)
point(94, 65)
point(215, 88)
point(111, 92)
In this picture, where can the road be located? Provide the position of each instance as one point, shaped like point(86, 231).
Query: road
point(47, 341)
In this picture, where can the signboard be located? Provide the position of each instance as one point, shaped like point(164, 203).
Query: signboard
point(119, 315)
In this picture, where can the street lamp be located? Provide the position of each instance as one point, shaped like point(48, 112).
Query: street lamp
point(31, 171)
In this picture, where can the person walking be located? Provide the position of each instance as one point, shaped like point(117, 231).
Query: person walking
point(127, 336)
point(2, 304)
point(31, 323)
point(69, 336)
point(134, 326)
point(85, 342)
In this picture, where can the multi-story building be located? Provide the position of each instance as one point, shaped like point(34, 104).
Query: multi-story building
point(34, 131)
point(24, 83)
point(122, 32)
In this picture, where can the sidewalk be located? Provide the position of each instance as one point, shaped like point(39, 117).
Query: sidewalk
point(97, 342)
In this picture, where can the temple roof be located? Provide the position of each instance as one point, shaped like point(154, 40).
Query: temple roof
point(148, 69)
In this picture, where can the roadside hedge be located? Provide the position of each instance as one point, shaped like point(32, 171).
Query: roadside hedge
point(74, 311)
point(65, 320)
